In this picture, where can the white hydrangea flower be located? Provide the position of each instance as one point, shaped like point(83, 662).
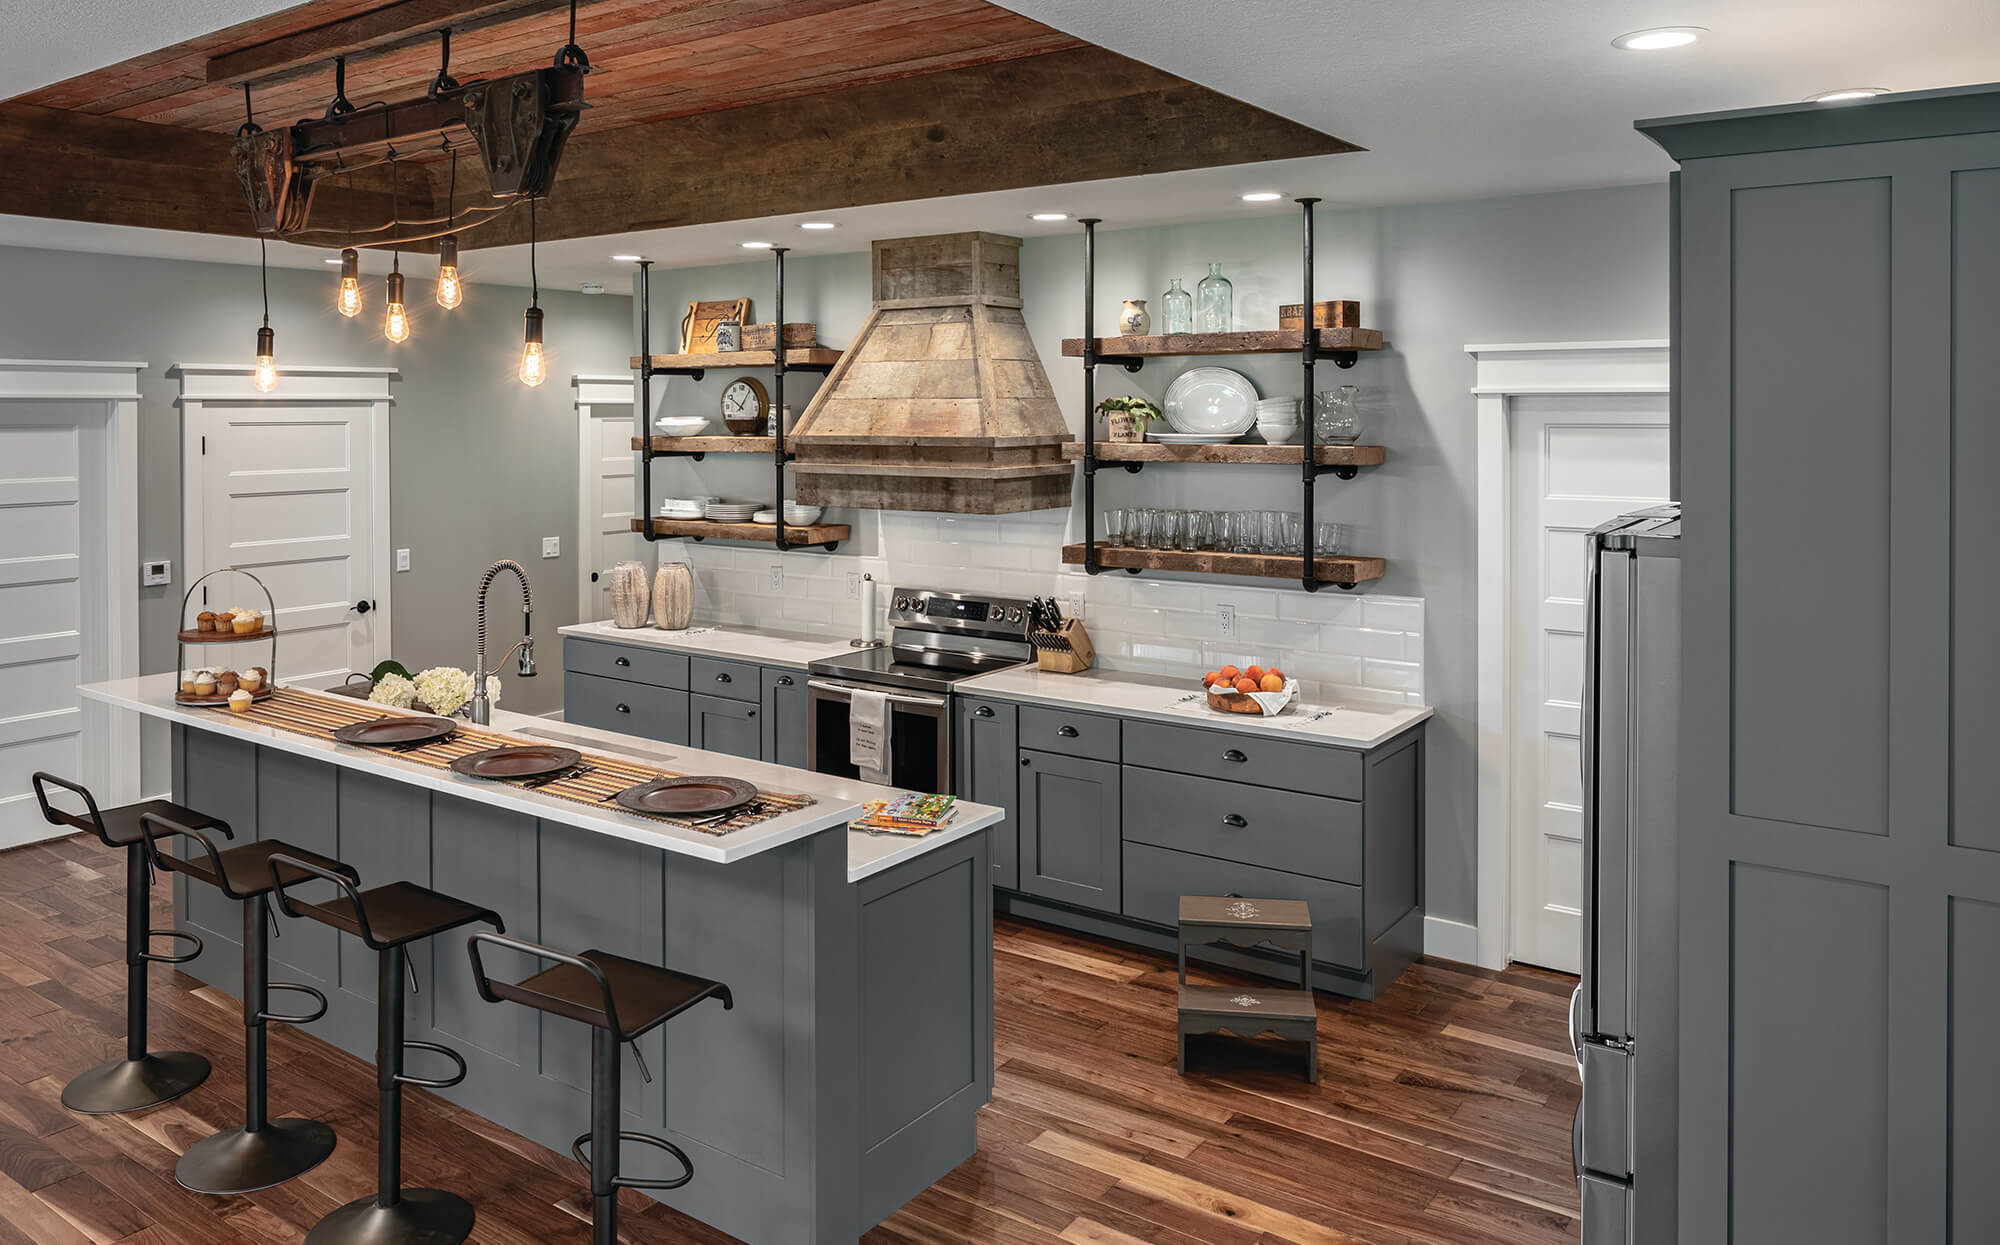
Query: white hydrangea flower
point(444, 688)
point(395, 691)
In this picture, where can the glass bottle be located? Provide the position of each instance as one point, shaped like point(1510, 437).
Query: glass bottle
point(1212, 302)
point(1176, 309)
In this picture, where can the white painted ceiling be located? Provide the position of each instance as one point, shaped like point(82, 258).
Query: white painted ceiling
point(1455, 99)
point(55, 40)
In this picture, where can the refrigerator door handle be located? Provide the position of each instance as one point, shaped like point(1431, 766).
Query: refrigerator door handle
point(1576, 1026)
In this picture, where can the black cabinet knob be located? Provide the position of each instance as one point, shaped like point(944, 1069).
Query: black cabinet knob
point(1235, 821)
point(724, 678)
point(624, 708)
point(751, 714)
point(1067, 732)
point(784, 680)
point(1026, 761)
point(983, 711)
point(624, 661)
point(593, 577)
point(1234, 755)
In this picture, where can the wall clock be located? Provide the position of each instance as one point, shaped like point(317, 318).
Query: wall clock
point(745, 405)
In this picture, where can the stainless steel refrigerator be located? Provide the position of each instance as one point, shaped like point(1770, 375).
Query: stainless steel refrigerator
point(1623, 1014)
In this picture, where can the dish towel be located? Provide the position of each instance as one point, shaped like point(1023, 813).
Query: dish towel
point(868, 734)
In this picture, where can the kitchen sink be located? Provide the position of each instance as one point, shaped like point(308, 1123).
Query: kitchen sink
point(592, 741)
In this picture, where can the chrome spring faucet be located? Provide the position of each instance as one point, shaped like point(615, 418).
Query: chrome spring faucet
point(482, 705)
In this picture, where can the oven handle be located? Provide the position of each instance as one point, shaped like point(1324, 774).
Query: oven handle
point(844, 691)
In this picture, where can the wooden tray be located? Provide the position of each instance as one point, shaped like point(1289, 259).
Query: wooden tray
point(225, 637)
point(221, 699)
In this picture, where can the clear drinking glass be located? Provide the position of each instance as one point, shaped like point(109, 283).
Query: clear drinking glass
point(1145, 535)
point(1246, 529)
point(1173, 524)
point(1114, 527)
point(1200, 531)
point(1214, 298)
point(1329, 539)
point(1294, 530)
point(1176, 309)
point(1271, 532)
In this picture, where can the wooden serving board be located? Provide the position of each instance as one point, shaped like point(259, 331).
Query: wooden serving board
point(698, 325)
point(198, 636)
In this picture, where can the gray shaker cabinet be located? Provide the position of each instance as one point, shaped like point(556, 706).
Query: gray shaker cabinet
point(1839, 304)
point(987, 771)
point(1071, 839)
point(785, 717)
point(730, 726)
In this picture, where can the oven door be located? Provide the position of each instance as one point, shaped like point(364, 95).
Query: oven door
point(919, 734)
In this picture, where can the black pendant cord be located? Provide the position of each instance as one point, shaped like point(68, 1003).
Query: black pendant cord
point(534, 280)
point(264, 277)
point(570, 55)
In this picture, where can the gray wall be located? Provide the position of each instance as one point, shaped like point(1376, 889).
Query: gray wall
point(481, 467)
point(1587, 265)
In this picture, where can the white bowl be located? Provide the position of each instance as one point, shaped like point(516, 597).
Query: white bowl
point(802, 516)
point(1277, 433)
point(680, 425)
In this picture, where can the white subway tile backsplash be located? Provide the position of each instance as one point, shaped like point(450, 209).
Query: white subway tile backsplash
point(1393, 614)
point(1326, 606)
point(1396, 676)
point(1248, 602)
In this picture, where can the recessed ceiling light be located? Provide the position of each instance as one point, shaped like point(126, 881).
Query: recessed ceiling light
point(757, 246)
point(1659, 38)
point(1846, 93)
point(1262, 196)
point(816, 224)
point(335, 260)
point(626, 259)
point(1049, 216)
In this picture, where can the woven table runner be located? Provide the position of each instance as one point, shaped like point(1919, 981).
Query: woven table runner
point(603, 777)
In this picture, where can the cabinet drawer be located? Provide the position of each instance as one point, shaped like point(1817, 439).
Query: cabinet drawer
point(629, 708)
point(626, 661)
point(1241, 757)
point(1069, 734)
point(734, 680)
point(1307, 834)
point(1156, 878)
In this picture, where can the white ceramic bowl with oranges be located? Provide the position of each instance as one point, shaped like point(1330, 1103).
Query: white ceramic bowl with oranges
point(1253, 689)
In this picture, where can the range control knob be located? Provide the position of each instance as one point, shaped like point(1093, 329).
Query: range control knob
point(1014, 615)
point(902, 603)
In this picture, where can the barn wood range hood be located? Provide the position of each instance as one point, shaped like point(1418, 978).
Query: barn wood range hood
point(941, 403)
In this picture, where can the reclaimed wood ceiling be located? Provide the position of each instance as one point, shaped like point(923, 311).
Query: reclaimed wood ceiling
point(698, 111)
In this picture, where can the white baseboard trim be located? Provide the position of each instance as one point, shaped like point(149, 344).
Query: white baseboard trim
point(40, 835)
point(1451, 940)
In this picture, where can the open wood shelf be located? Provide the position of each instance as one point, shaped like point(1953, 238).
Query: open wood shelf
point(807, 358)
point(1265, 341)
point(1336, 570)
point(1154, 452)
point(705, 445)
point(702, 529)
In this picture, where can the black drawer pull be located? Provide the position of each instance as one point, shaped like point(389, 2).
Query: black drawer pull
point(784, 680)
point(1234, 755)
point(624, 661)
point(1067, 732)
point(624, 708)
point(983, 711)
point(1026, 761)
point(1234, 821)
point(724, 678)
point(751, 714)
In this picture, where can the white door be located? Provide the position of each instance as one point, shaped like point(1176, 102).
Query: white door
point(287, 489)
point(54, 533)
point(605, 490)
point(1577, 462)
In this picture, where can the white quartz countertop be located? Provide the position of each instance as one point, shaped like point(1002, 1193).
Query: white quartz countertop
point(1358, 725)
point(768, 648)
point(839, 799)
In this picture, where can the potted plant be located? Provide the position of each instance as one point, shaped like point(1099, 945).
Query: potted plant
point(1125, 418)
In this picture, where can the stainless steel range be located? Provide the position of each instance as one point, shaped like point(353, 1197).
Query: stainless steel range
point(936, 640)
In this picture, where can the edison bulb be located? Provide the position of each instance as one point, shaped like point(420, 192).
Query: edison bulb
point(450, 292)
point(396, 323)
point(532, 372)
point(267, 374)
point(348, 301)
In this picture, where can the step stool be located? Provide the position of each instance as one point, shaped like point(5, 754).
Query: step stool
point(1285, 1011)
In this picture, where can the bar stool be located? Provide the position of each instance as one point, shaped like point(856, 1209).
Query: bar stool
point(387, 919)
point(141, 1079)
point(621, 1000)
point(264, 1152)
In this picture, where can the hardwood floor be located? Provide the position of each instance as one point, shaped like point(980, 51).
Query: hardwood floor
point(1442, 1112)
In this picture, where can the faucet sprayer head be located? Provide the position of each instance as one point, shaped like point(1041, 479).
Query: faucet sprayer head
point(527, 667)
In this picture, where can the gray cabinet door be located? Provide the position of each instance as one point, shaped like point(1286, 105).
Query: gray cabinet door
point(626, 707)
point(784, 693)
point(731, 726)
point(987, 771)
point(1070, 830)
point(1838, 880)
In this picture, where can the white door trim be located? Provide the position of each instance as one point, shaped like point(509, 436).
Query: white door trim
point(1503, 373)
point(612, 389)
point(115, 386)
point(335, 386)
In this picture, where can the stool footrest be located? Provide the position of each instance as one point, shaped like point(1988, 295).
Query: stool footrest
point(578, 1150)
point(185, 935)
point(266, 1017)
point(427, 1082)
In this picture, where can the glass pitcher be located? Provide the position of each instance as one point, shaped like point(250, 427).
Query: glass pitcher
point(1337, 416)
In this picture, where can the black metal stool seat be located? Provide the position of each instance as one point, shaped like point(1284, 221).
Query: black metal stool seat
point(387, 919)
point(264, 1152)
point(141, 1079)
point(620, 999)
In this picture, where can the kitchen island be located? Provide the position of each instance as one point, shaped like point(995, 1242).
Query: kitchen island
point(846, 1079)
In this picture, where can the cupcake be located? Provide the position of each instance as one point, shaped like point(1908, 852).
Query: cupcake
point(187, 685)
point(227, 682)
point(263, 675)
point(239, 701)
point(205, 621)
point(250, 681)
point(204, 683)
point(248, 622)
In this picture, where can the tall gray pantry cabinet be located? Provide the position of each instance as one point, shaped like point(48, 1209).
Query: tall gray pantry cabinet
point(1838, 406)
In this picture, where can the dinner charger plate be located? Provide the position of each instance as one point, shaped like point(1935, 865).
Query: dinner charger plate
point(389, 732)
point(518, 761)
point(1211, 400)
point(690, 795)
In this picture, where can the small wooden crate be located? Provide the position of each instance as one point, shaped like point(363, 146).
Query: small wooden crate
point(1342, 313)
point(798, 335)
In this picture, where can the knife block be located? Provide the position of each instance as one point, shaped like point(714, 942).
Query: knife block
point(1066, 650)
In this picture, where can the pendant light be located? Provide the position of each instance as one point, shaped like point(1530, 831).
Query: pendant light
point(266, 375)
point(396, 317)
point(532, 370)
point(348, 301)
point(450, 291)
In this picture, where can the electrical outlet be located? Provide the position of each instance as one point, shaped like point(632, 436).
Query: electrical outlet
point(1225, 619)
point(402, 560)
point(1076, 604)
point(777, 577)
point(853, 585)
point(156, 573)
point(551, 546)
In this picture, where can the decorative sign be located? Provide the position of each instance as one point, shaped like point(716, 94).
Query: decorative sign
point(699, 325)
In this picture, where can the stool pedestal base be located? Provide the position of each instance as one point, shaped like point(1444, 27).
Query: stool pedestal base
point(419, 1217)
point(135, 1084)
point(240, 1161)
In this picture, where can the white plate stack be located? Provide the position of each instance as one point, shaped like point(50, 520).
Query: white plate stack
point(684, 507)
point(732, 511)
point(1278, 419)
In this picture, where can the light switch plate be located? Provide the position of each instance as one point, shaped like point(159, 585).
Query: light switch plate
point(156, 573)
point(402, 560)
point(551, 546)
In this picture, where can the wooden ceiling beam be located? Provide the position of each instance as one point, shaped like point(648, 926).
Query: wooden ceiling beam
point(381, 29)
point(1070, 116)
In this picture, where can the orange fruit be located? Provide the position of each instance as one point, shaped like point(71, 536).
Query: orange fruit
point(1271, 682)
point(1211, 678)
point(1254, 672)
point(1245, 685)
point(1230, 673)
point(1279, 674)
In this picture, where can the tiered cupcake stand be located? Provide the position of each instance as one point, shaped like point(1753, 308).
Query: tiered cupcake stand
point(192, 635)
